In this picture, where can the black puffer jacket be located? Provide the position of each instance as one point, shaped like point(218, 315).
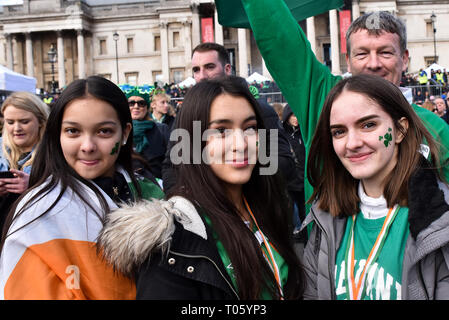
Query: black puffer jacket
point(169, 250)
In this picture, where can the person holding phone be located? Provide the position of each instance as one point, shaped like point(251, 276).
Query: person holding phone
point(25, 117)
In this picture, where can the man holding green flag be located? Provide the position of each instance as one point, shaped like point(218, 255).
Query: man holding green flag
point(305, 81)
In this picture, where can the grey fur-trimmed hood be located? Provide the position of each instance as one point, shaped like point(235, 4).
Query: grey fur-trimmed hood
point(132, 232)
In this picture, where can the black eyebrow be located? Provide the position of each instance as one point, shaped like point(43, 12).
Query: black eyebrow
point(74, 123)
point(220, 121)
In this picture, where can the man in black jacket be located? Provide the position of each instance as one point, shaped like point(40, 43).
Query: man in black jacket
point(211, 60)
point(296, 181)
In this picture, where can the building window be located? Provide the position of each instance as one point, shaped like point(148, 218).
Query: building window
point(176, 37)
point(102, 43)
point(157, 43)
point(158, 77)
point(177, 75)
point(131, 78)
point(430, 60)
point(429, 28)
point(129, 45)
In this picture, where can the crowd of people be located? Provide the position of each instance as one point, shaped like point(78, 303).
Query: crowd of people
point(118, 195)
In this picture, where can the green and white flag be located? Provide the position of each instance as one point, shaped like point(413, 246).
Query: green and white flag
point(232, 14)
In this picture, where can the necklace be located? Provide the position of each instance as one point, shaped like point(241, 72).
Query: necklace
point(355, 290)
point(270, 257)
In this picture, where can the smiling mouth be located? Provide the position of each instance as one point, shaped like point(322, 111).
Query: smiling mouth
point(89, 162)
point(359, 157)
point(238, 163)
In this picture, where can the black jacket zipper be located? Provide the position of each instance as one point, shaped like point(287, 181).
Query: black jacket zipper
point(214, 264)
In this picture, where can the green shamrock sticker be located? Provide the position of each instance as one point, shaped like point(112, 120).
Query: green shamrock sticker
point(387, 138)
point(115, 149)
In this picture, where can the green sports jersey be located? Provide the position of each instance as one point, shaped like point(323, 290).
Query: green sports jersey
point(383, 278)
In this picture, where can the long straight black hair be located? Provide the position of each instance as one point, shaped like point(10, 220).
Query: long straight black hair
point(50, 162)
point(265, 194)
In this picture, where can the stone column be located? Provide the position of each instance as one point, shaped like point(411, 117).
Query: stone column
point(81, 58)
point(218, 30)
point(29, 54)
point(61, 67)
point(243, 53)
point(187, 45)
point(9, 53)
point(311, 36)
point(2, 49)
point(18, 54)
point(196, 30)
point(335, 48)
point(355, 9)
point(164, 51)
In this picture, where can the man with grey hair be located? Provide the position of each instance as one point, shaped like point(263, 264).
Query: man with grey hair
point(376, 45)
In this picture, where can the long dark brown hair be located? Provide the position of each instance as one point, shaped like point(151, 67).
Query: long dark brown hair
point(50, 163)
point(265, 194)
point(327, 174)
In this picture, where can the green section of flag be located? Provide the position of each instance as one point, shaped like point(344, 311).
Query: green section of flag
point(232, 14)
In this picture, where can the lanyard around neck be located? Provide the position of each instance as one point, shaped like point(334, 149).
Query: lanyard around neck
point(355, 290)
point(270, 257)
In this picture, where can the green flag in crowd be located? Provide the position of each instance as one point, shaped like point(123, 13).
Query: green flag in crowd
point(232, 14)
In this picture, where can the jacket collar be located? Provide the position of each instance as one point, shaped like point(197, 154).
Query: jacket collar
point(428, 205)
point(133, 231)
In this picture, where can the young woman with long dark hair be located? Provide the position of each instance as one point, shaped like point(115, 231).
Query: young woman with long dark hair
point(223, 233)
point(381, 209)
point(82, 170)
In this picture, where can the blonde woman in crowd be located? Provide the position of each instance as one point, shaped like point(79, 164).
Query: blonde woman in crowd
point(25, 117)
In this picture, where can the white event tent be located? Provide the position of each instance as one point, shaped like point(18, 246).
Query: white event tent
point(434, 67)
point(13, 81)
point(187, 83)
point(257, 77)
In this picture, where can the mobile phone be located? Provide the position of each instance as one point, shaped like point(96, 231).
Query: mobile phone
point(6, 174)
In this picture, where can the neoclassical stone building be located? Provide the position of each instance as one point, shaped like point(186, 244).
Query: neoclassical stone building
point(154, 38)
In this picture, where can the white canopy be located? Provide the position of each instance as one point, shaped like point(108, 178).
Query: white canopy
point(187, 83)
point(434, 67)
point(257, 77)
point(13, 81)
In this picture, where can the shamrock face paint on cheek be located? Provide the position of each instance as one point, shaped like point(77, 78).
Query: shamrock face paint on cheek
point(388, 138)
point(115, 149)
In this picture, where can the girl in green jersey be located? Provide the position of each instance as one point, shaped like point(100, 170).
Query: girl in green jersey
point(381, 209)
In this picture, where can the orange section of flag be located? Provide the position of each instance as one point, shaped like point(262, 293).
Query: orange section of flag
point(64, 269)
